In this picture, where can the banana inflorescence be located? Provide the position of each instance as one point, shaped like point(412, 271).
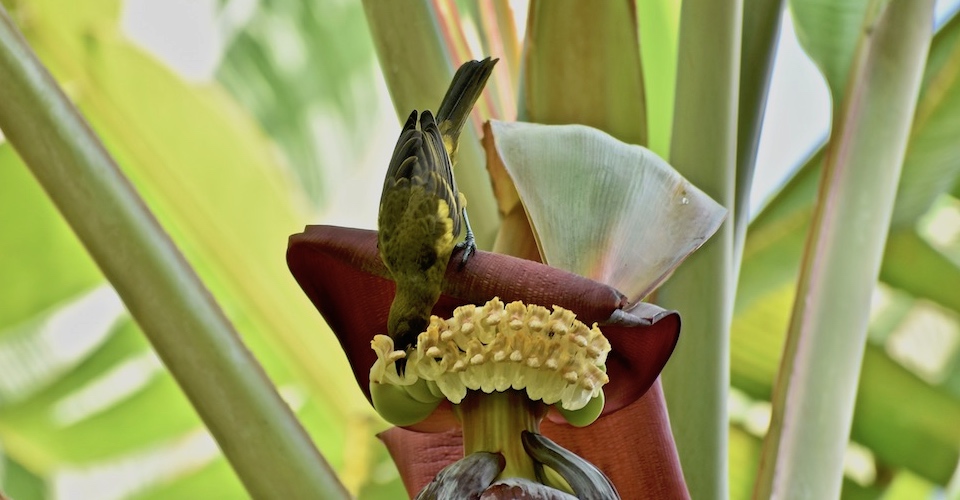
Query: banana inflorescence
point(549, 354)
point(544, 357)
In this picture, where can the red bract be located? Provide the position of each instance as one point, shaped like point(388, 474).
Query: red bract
point(340, 271)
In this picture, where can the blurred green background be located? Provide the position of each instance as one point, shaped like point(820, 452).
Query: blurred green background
point(240, 121)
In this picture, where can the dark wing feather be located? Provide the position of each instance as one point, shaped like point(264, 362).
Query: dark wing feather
point(439, 162)
point(421, 161)
point(407, 146)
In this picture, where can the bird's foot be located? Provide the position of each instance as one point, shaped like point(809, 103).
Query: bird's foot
point(469, 244)
point(467, 248)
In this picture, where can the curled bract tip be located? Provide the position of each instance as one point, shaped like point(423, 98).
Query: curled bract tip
point(496, 347)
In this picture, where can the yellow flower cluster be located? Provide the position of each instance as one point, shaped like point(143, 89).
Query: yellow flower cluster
point(551, 355)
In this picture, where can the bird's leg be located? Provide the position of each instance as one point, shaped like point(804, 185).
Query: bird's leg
point(469, 243)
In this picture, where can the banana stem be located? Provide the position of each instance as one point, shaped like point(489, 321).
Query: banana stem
point(494, 422)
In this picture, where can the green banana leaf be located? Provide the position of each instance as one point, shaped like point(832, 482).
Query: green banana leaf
point(771, 262)
point(218, 190)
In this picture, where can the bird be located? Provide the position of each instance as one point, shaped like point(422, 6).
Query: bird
point(421, 210)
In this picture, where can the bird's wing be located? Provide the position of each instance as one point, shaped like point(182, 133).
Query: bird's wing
point(438, 162)
point(420, 162)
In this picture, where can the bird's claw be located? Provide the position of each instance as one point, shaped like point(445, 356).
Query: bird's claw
point(467, 248)
point(469, 244)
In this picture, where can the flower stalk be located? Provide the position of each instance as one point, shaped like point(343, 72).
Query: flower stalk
point(495, 422)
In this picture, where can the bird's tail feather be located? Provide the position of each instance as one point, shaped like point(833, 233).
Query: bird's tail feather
point(464, 90)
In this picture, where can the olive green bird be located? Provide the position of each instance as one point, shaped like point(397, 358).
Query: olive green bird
point(421, 209)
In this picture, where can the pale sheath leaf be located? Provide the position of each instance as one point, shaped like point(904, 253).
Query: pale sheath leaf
point(645, 218)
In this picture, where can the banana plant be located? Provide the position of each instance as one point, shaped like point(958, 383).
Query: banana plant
point(775, 309)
